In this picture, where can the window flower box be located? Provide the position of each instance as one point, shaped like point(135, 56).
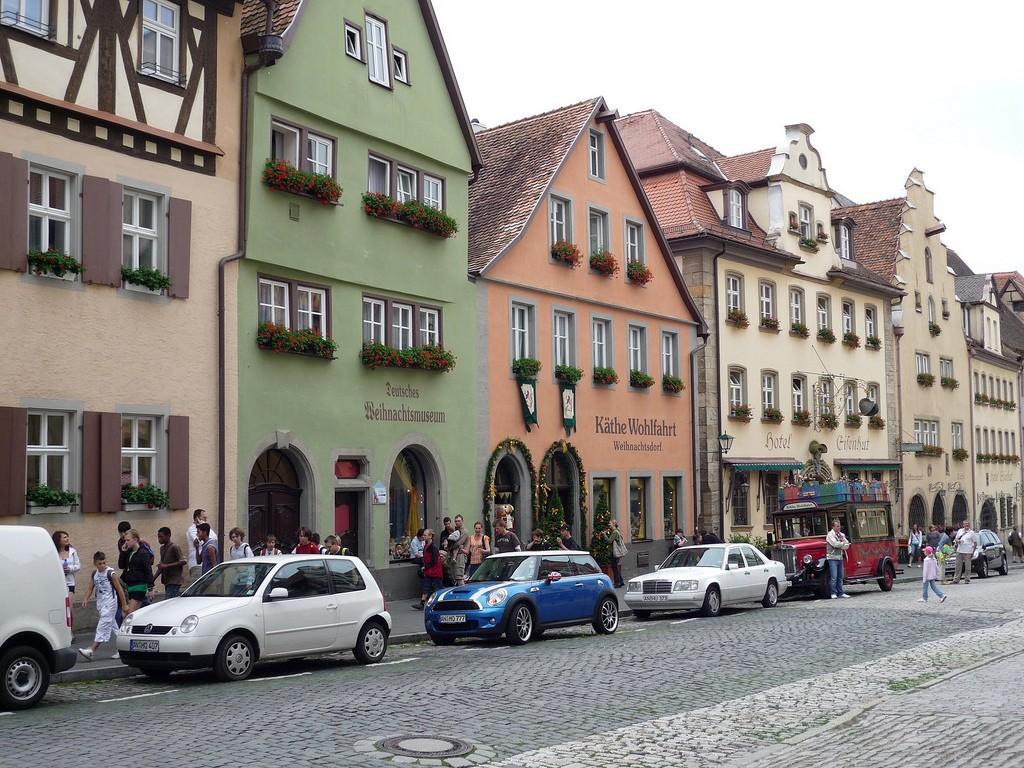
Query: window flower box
point(640, 380)
point(605, 376)
point(948, 382)
point(278, 338)
point(567, 253)
point(672, 384)
point(741, 412)
point(926, 379)
point(1013, 458)
point(526, 368)
point(44, 500)
point(934, 329)
point(638, 273)
point(851, 340)
point(604, 263)
point(960, 454)
point(828, 421)
point(150, 279)
point(414, 213)
point(853, 420)
point(801, 419)
point(822, 235)
point(570, 374)
point(794, 222)
point(932, 450)
point(426, 358)
point(737, 317)
point(773, 415)
point(135, 498)
point(873, 342)
point(284, 177)
point(1010, 405)
point(980, 399)
point(799, 330)
point(876, 422)
point(826, 335)
point(769, 323)
point(809, 243)
point(53, 263)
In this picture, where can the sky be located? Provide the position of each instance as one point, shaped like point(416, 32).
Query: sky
point(887, 86)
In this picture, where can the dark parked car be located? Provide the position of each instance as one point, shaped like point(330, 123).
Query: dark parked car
point(989, 556)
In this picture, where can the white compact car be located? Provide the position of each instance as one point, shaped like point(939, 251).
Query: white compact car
point(261, 608)
point(708, 577)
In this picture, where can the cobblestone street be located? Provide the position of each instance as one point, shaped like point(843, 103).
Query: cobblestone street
point(754, 687)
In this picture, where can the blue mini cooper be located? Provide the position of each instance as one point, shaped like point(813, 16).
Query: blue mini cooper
point(521, 594)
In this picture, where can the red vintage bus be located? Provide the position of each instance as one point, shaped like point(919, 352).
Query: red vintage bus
point(804, 517)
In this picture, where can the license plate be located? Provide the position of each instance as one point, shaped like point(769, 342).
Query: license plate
point(655, 598)
point(149, 646)
point(451, 618)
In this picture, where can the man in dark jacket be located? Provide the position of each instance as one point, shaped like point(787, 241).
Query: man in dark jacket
point(708, 537)
point(137, 571)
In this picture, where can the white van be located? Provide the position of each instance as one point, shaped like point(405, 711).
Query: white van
point(35, 616)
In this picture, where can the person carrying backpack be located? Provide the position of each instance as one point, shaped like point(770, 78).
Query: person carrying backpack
point(109, 595)
point(137, 571)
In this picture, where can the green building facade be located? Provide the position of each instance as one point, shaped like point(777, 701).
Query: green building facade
point(324, 440)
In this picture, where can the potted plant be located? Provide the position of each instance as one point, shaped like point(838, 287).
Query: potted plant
point(672, 384)
point(876, 422)
point(799, 329)
point(741, 412)
point(822, 236)
point(605, 376)
point(604, 263)
point(53, 262)
point(932, 450)
point(151, 279)
point(737, 317)
point(526, 368)
point(566, 253)
point(638, 273)
point(948, 382)
point(980, 399)
point(934, 329)
point(570, 374)
point(851, 340)
point(925, 379)
point(379, 205)
point(278, 338)
point(640, 380)
point(426, 358)
point(801, 419)
point(828, 421)
point(873, 342)
point(853, 420)
point(277, 174)
point(826, 335)
point(960, 454)
point(425, 218)
point(42, 499)
point(143, 496)
point(809, 243)
point(769, 323)
point(772, 414)
point(794, 222)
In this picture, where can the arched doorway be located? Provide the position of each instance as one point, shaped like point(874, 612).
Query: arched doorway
point(959, 508)
point(274, 493)
point(988, 515)
point(939, 511)
point(511, 487)
point(560, 475)
point(917, 511)
point(412, 497)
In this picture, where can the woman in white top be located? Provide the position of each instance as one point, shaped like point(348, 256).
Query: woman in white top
point(69, 559)
point(239, 549)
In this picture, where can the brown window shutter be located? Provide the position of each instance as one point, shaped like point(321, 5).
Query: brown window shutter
point(179, 250)
point(13, 437)
point(101, 230)
point(13, 212)
point(177, 461)
point(101, 462)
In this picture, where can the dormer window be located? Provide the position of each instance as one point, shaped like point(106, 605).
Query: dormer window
point(734, 208)
point(806, 222)
point(845, 242)
point(596, 155)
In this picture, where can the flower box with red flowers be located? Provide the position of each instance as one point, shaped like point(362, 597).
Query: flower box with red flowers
point(876, 422)
point(426, 358)
point(605, 376)
point(672, 384)
point(143, 496)
point(566, 253)
point(825, 335)
point(799, 330)
point(638, 273)
point(801, 419)
point(772, 415)
point(569, 374)
point(873, 342)
point(640, 380)
point(604, 263)
point(278, 338)
point(828, 421)
point(413, 213)
point(926, 379)
point(741, 412)
point(769, 323)
point(851, 340)
point(737, 317)
point(960, 454)
point(282, 176)
point(54, 263)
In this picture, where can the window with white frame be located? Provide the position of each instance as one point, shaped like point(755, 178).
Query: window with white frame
point(806, 222)
point(598, 231)
point(637, 348)
point(284, 143)
point(669, 353)
point(733, 292)
point(596, 154)
point(945, 368)
point(767, 291)
point(400, 62)
point(562, 331)
point(274, 302)
point(931, 310)
point(824, 312)
point(522, 331)
point(600, 336)
point(373, 321)
point(354, 41)
point(957, 435)
point(847, 317)
point(311, 309)
point(799, 394)
point(401, 326)
point(869, 321)
point(31, 15)
point(559, 214)
point(319, 154)
point(737, 386)
point(634, 242)
point(850, 398)
point(405, 185)
point(49, 211)
point(826, 395)
point(845, 245)
point(430, 327)
point(924, 362)
point(138, 450)
point(769, 388)
point(926, 431)
point(735, 206)
point(379, 181)
point(796, 305)
point(160, 32)
point(377, 51)
point(48, 450)
point(139, 236)
point(433, 192)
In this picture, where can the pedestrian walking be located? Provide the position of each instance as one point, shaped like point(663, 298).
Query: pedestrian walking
point(479, 548)
point(619, 551)
point(306, 546)
point(914, 543)
point(208, 555)
point(110, 596)
point(270, 545)
point(932, 538)
point(930, 577)
point(566, 541)
point(68, 559)
point(171, 567)
point(239, 548)
point(506, 540)
point(195, 569)
point(430, 571)
point(1016, 542)
point(836, 545)
point(965, 541)
point(334, 546)
point(136, 565)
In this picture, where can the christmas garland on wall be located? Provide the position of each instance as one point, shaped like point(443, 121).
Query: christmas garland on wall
point(544, 489)
point(505, 447)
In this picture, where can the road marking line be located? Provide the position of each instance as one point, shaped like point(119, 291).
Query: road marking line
point(397, 661)
point(682, 621)
point(278, 677)
point(642, 629)
point(5, 713)
point(139, 696)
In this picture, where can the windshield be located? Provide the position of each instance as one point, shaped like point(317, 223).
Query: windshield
point(230, 580)
point(506, 569)
point(695, 557)
point(800, 525)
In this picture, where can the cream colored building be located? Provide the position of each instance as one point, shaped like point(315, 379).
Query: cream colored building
point(119, 148)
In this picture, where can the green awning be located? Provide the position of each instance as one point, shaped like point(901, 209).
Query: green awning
point(765, 466)
point(867, 465)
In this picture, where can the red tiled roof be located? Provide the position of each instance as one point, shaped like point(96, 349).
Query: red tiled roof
point(254, 16)
point(519, 161)
point(748, 167)
point(653, 141)
point(876, 234)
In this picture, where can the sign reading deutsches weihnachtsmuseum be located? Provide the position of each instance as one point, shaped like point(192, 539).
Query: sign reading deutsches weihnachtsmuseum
point(635, 427)
point(382, 411)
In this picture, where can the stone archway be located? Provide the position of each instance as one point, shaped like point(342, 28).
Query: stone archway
point(917, 511)
point(960, 512)
point(939, 511)
point(561, 472)
point(414, 498)
point(276, 486)
point(515, 484)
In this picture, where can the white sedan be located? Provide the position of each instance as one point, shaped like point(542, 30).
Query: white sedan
point(708, 577)
point(260, 608)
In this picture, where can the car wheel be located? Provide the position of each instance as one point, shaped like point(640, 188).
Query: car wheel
point(607, 619)
point(519, 629)
point(712, 602)
point(888, 578)
point(155, 673)
point(771, 595)
point(372, 643)
point(1004, 568)
point(641, 615)
point(234, 659)
point(26, 676)
point(983, 567)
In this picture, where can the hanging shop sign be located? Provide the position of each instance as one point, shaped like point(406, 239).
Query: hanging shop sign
point(528, 399)
point(568, 395)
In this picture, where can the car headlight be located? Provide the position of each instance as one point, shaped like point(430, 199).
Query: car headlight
point(432, 599)
point(497, 597)
point(684, 586)
point(189, 624)
point(126, 624)
point(808, 559)
point(633, 586)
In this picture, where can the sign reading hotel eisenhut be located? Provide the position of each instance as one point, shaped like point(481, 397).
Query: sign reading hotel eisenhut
point(842, 443)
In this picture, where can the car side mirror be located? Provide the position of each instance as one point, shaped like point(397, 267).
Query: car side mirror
point(657, 567)
point(728, 566)
point(277, 593)
point(553, 577)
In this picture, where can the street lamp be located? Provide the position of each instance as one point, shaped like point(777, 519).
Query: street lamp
point(725, 442)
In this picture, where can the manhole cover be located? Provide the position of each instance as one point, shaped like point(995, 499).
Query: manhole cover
point(425, 746)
